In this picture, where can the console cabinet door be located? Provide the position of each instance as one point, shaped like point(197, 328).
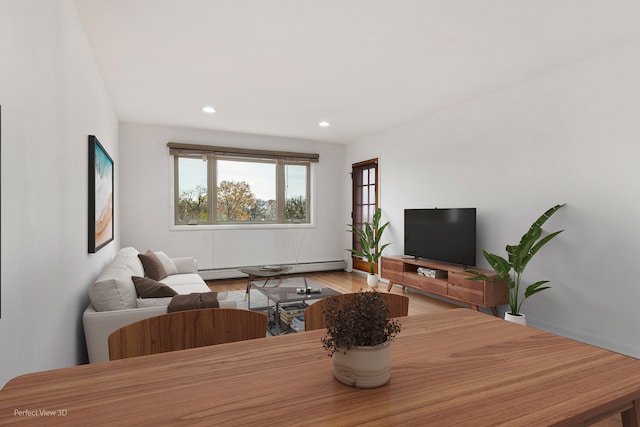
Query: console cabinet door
point(427, 284)
point(392, 269)
point(461, 288)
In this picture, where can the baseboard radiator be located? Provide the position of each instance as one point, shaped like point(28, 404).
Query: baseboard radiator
point(307, 267)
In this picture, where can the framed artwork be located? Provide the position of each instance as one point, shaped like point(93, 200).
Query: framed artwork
point(100, 196)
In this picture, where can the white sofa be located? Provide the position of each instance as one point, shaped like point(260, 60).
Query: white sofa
point(114, 301)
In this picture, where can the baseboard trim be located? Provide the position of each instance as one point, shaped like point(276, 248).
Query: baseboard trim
point(307, 267)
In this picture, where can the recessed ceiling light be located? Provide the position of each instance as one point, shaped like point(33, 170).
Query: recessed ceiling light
point(209, 109)
point(324, 124)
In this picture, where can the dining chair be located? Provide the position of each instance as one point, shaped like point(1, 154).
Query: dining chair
point(186, 329)
point(314, 314)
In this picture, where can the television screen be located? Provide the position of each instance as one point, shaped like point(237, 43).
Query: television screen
point(447, 235)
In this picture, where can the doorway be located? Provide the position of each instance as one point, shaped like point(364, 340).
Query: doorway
point(364, 202)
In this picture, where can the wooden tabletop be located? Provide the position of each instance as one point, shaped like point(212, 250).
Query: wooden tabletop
point(458, 367)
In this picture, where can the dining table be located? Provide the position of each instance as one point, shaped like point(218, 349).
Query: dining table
point(448, 368)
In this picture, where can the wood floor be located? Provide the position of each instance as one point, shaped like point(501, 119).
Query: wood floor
point(350, 282)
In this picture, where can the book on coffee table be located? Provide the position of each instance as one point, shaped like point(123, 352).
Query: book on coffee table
point(308, 291)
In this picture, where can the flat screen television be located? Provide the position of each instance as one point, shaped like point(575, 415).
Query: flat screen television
point(447, 235)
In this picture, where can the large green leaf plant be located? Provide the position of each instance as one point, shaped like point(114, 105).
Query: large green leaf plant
point(510, 270)
point(369, 238)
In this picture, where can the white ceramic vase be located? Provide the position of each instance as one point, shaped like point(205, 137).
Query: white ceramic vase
point(363, 367)
point(372, 280)
point(519, 318)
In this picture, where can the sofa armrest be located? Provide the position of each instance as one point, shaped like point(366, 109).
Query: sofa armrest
point(186, 264)
point(98, 325)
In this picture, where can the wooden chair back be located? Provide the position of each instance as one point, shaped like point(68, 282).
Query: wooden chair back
point(186, 329)
point(314, 314)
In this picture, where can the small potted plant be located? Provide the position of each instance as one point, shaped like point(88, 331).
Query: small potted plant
point(359, 334)
point(510, 270)
point(370, 249)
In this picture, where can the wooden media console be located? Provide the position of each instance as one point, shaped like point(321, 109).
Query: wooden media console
point(450, 281)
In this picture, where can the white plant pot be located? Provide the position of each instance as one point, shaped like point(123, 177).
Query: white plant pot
point(363, 367)
point(519, 318)
point(372, 280)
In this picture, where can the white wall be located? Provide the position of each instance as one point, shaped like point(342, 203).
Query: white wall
point(567, 136)
point(146, 221)
point(52, 97)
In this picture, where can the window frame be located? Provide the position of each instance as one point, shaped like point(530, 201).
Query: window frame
point(212, 183)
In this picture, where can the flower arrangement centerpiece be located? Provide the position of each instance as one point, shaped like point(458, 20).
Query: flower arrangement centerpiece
point(359, 334)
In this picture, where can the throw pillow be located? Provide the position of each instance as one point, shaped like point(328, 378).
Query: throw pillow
point(149, 288)
point(153, 268)
point(167, 263)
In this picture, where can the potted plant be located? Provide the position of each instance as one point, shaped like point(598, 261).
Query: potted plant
point(510, 270)
point(359, 335)
point(369, 238)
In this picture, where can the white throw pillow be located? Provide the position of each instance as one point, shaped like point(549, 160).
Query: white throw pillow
point(167, 263)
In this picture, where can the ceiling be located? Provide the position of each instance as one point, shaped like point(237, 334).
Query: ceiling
point(278, 67)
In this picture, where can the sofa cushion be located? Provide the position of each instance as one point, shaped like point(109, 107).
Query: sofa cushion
point(184, 284)
point(153, 302)
point(149, 288)
point(167, 263)
point(153, 268)
point(129, 258)
point(114, 289)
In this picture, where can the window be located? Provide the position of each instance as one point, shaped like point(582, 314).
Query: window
point(192, 193)
point(296, 190)
point(237, 188)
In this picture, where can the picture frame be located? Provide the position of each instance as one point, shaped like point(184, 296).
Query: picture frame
point(101, 196)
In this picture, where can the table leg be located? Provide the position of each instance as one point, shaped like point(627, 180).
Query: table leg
point(631, 417)
point(249, 280)
point(252, 277)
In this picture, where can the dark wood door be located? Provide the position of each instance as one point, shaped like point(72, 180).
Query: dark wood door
point(364, 176)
